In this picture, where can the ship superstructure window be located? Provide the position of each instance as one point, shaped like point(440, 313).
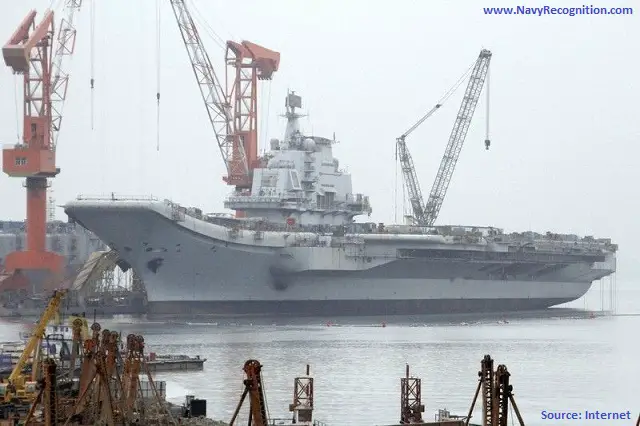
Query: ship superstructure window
point(21, 161)
point(325, 201)
point(269, 179)
point(295, 182)
point(329, 199)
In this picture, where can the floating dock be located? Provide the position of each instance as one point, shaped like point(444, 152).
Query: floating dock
point(166, 363)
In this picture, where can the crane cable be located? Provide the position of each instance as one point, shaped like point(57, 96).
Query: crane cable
point(487, 141)
point(395, 192)
point(442, 100)
point(422, 119)
point(158, 75)
point(92, 52)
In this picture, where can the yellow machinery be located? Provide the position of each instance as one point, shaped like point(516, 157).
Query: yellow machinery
point(18, 386)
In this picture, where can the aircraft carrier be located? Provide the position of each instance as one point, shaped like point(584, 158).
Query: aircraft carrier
point(298, 250)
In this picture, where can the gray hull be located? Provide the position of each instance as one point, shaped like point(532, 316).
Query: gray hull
point(190, 266)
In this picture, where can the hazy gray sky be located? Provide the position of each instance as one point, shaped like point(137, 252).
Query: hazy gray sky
point(564, 106)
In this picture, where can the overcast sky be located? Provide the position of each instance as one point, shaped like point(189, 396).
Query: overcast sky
point(565, 125)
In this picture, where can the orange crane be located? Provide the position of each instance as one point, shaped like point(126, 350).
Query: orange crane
point(30, 52)
point(254, 388)
point(232, 110)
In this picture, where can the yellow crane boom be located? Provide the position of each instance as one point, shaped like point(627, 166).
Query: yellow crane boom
point(33, 343)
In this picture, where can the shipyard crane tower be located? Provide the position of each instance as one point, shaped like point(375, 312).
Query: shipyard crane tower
point(426, 214)
point(30, 52)
point(232, 110)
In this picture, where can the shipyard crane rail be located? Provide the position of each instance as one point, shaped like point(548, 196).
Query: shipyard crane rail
point(425, 214)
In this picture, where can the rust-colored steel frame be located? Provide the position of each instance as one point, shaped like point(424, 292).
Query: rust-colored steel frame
point(411, 407)
point(29, 52)
point(302, 406)
point(247, 63)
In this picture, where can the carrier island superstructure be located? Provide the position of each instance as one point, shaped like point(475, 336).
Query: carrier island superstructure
point(298, 251)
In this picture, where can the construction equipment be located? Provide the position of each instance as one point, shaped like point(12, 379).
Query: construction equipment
point(47, 396)
point(496, 395)
point(254, 388)
point(232, 110)
point(411, 407)
point(426, 214)
point(105, 396)
point(101, 397)
point(302, 406)
point(30, 52)
point(17, 386)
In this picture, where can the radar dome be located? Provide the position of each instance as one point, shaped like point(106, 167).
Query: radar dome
point(309, 144)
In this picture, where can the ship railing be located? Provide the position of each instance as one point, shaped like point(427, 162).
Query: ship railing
point(254, 199)
point(282, 164)
point(558, 238)
point(486, 231)
point(115, 197)
point(540, 240)
point(299, 241)
point(178, 212)
point(569, 247)
point(349, 239)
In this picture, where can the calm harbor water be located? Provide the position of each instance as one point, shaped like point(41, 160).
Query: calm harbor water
point(557, 363)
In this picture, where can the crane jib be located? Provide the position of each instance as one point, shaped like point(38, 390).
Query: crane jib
point(425, 214)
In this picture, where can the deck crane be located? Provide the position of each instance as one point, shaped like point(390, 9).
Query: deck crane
point(426, 214)
point(232, 110)
point(30, 52)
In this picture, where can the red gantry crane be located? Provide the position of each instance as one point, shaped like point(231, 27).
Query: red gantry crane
point(232, 108)
point(30, 52)
point(426, 214)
